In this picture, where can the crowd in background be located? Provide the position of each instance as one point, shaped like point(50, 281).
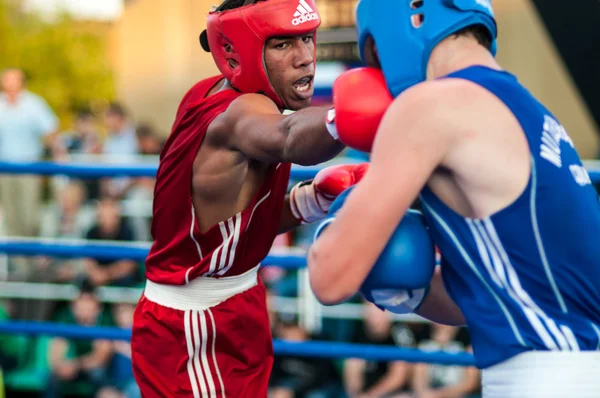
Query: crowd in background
point(93, 209)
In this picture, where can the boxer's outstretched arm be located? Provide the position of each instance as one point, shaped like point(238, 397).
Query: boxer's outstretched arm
point(412, 141)
point(254, 126)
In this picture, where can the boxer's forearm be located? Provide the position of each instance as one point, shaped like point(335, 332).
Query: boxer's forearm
point(254, 126)
point(308, 142)
point(288, 221)
point(438, 307)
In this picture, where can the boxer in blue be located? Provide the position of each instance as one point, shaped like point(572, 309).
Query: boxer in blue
point(504, 193)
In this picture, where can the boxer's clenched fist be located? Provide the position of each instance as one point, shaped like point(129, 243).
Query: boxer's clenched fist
point(310, 200)
point(360, 99)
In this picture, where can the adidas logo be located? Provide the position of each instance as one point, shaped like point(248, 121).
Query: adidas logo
point(304, 13)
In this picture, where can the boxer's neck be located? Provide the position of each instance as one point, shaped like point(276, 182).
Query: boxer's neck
point(456, 53)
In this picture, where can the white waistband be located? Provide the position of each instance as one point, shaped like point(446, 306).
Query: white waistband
point(544, 374)
point(201, 293)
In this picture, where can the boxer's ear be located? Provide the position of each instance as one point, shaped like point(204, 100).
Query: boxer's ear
point(371, 55)
point(204, 41)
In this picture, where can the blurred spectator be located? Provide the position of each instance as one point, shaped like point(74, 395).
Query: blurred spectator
point(439, 381)
point(149, 142)
point(121, 139)
point(375, 379)
point(26, 124)
point(83, 139)
point(122, 384)
point(69, 218)
point(300, 377)
point(141, 190)
point(121, 145)
point(80, 362)
point(111, 226)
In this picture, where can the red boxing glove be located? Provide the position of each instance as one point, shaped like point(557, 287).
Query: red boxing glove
point(360, 99)
point(310, 200)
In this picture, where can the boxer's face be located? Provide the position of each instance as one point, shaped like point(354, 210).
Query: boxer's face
point(289, 63)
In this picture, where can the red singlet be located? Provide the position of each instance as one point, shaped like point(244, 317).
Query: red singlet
point(201, 329)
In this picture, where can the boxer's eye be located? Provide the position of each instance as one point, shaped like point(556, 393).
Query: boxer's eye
point(416, 4)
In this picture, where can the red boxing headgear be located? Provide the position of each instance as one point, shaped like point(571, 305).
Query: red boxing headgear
point(240, 34)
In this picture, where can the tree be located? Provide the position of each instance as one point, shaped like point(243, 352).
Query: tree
point(66, 61)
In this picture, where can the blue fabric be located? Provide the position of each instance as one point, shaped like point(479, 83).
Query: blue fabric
point(404, 49)
point(527, 277)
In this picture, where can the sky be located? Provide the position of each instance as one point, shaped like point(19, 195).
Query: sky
point(89, 9)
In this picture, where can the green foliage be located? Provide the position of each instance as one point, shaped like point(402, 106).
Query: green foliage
point(66, 61)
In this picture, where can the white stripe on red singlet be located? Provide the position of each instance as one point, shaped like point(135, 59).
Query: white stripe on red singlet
point(226, 233)
point(192, 232)
point(204, 357)
point(214, 329)
point(215, 256)
point(190, 348)
point(236, 238)
point(255, 207)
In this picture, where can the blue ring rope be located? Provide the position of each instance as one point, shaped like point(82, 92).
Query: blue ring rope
point(106, 170)
point(322, 349)
point(115, 251)
point(83, 170)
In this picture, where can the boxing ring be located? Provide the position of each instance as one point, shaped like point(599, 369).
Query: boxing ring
point(138, 252)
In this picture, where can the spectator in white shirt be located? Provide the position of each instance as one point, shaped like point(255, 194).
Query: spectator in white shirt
point(26, 124)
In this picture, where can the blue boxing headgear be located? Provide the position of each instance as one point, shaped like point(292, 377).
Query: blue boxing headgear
point(403, 48)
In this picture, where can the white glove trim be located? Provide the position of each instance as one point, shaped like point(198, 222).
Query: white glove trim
point(402, 302)
point(330, 124)
point(304, 203)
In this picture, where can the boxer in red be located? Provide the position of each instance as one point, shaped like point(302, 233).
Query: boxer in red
point(201, 328)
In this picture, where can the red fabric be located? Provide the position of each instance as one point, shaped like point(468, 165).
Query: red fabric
point(180, 252)
point(230, 344)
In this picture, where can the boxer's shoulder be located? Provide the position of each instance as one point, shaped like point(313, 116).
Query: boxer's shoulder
point(243, 110)
point(439, 96)
point(429, 109)
point(444, 107)
point(250, 104)
point(200, 89)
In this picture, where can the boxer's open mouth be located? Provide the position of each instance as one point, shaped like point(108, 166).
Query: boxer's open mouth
point(303, 85)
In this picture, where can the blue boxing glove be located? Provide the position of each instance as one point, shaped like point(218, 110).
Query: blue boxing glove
point(400, 278)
